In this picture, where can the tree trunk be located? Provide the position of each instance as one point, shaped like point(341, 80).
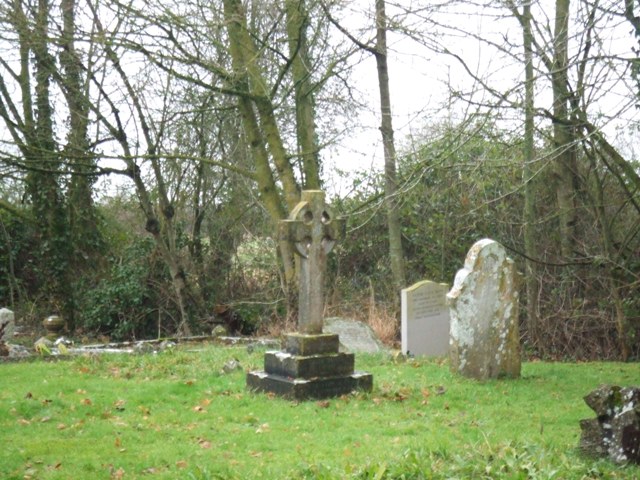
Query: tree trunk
point(297, 22)
point(251, 80)
point(563, 136)
point(85, 236)
point(396, 255)
point(531, 277)
point(42, 183)
point(261, 131)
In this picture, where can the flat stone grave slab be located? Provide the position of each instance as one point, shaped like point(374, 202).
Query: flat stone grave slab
point(355, 336)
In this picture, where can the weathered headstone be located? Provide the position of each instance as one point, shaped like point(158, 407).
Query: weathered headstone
point(484, 337)
point(311, 365)
point(425, 319)
point(7, 324)
point(355, 336)
point(615, 432)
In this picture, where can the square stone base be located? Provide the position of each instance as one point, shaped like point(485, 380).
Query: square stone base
point(311, 344)
point(304, 389)
point(298, 366)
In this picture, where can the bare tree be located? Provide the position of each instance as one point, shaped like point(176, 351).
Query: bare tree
point(391, 198)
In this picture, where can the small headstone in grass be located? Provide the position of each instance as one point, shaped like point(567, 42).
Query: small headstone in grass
point(615, 432)
point(484, 338)
point(425, 319)
point(7, 324)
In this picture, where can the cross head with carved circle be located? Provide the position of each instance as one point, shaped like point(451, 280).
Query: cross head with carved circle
point(313, 230)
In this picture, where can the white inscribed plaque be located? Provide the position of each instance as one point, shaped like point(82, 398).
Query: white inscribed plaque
point(425, 319)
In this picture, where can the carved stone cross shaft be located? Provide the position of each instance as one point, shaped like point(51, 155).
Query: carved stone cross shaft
point(313, 230)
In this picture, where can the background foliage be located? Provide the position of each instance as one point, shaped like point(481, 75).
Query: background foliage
point(149, 152)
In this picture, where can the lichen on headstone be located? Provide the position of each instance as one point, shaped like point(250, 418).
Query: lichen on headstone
point(484, 336)
point(615, 432)
point(7, 324)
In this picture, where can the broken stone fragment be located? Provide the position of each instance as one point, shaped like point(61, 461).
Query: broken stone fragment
point(231, 365)
point(18, 351)
point(7, 324)
point(615, 433)
point(592, 438)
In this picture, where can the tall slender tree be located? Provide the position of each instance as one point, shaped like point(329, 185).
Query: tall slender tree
point(529, 214)
point(392, 199)
point(563, 136)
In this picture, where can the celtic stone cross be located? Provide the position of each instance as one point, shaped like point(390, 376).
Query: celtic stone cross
point(313, 230)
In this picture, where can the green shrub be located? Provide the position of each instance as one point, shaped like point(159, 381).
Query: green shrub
point(123, 304)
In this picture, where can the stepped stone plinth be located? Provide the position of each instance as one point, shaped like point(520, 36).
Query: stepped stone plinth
point(310, 367)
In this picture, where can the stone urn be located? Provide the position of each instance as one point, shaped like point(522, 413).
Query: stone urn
point(54, 325)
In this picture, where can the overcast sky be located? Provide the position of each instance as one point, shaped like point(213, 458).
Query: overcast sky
point(419, 77)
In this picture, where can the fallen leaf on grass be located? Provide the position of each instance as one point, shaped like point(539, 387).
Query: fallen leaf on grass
point(263, 428)
point(119, 405)
point(61, 426)
point(204, 443)
point(323, 403)
point(145, 410)
point(256, 454)
point(117, 443)
point(45, 419)
point(199, 408)
point(425, 396)
point(30, 473)
point(181, 464)
point(152, 470)
point(23, 421)
point(401, 395)
point(81, 392)
point(117, 474)
point(86, 401)
point(56, 466)
point(189, 383)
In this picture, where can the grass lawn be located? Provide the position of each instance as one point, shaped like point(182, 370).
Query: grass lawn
point(177, 415)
